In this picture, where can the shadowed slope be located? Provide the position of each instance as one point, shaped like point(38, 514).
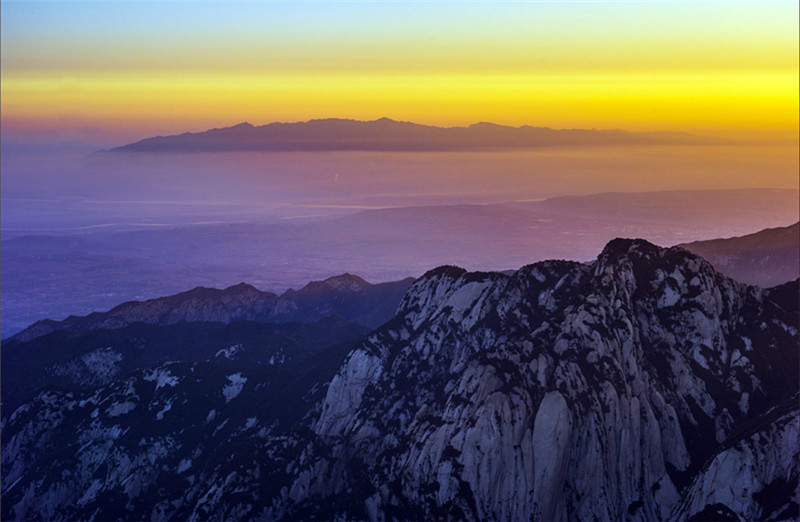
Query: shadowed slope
point(766, 258)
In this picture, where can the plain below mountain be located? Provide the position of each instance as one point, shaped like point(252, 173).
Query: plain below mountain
point(51, 277)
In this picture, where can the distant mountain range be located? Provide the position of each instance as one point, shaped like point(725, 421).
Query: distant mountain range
point(346, 296)
point(766, 258)
point(390, 135)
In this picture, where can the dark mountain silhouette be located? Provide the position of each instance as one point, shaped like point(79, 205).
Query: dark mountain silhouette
point(347, 296)
point(766, 258)
point(389, 135)
point(83, 359)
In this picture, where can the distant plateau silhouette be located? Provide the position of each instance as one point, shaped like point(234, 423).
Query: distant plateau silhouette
point(389, 135)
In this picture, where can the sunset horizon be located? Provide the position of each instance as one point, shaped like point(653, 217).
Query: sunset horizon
point(638, 66)
point(400, 260)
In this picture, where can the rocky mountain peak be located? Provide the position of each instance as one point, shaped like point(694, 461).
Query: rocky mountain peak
point(241, 288)
point(570, 388)
point(644, 386)
point(644, 257)
point(346, 281)
point(619, 248)
point(341, 284)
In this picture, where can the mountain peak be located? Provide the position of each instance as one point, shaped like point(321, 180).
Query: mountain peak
point(450, 271)
point(639, 254)
point(347, 276)
point(241, 288)
point(345, 295)
point(490, 125)
point(618, 248)
point(346, 282)
point(489, 378)
point(744, 257)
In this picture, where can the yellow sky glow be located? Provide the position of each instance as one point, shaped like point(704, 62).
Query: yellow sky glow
point(163, 67)
point(724, 100)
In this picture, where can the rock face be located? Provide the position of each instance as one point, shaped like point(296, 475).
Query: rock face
point(153, 429)
point(346, 295)
point(643, 386)
point(569, 392)
point(754, 475)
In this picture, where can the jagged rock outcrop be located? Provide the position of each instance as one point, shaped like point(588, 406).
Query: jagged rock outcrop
point(346, 295)
point(164, 430)
point(562, 392)
point(643, 386)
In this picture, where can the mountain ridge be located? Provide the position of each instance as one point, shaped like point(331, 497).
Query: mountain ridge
point(385, 134)
point(346, 295)
point(647, 348)
point(645, 385)
point(764, 258)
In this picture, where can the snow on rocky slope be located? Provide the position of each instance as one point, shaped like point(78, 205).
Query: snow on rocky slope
point(566, 392)
point(643, 386)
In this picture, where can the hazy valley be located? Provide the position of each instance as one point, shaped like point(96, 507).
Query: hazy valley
point(50, 277)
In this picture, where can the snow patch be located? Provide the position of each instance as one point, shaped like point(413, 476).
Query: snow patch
point(236, 383)
point(229, 352)
point(98, 367)
point(184, 464)
point(278, 358)
point(165, 409)
point(120, 408)
point(162, 377)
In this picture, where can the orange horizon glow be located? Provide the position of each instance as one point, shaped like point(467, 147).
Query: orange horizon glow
point(705, 68)
point(702, 103)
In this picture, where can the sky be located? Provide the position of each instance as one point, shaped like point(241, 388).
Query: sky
point(134, 69)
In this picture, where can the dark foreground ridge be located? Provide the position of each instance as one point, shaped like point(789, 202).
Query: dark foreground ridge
point(389, 135)
point(643, 386)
